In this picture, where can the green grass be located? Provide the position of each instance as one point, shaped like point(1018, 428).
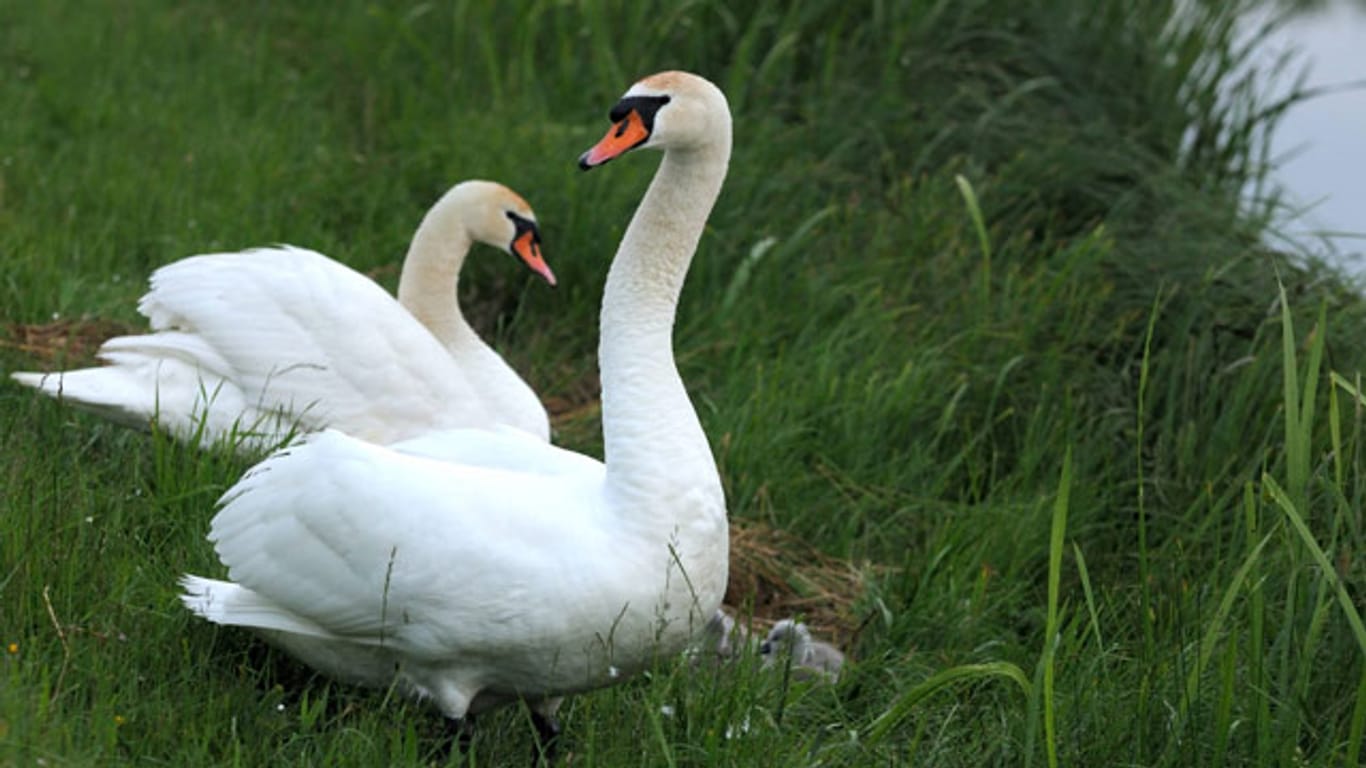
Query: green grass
point(982, 310)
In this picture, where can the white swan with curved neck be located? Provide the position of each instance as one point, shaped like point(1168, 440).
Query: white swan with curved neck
point(544, 572)
point(256, 345)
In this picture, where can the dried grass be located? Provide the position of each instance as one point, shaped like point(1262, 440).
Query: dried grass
point(777, 575)
point(69, 343)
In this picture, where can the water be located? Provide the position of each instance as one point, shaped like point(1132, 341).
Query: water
point(1320, 145)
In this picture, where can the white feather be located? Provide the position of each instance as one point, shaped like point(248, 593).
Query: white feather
point(256, 344)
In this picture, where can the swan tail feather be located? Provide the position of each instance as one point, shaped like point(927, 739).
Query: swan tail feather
point(223, 602)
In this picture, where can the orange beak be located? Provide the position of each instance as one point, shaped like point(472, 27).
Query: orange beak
point(528, 249)
point(625, 135)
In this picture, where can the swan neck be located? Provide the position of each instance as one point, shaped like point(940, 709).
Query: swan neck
point(428, 288)
point(651, 433)
point(429, 282)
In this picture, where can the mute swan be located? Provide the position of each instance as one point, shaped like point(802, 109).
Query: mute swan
point(810, 658)
point(544, 573)
point(257, 344)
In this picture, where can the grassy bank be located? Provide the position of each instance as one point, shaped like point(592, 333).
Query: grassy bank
point(982, 318)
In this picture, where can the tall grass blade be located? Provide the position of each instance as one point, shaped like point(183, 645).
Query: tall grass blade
point(1091, 608)
point(983, 239)
point(1257, 656)
point(1051, 639)
point(1299, 399)
point(1326, 569)
point(892, 717)
point(1214, 631)
point(1347, 386)
point(1145, 602)
point(1352, 755)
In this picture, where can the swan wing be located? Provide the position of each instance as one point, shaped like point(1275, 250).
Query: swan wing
point(378, 546)
point(280, 330)
point(307, 334)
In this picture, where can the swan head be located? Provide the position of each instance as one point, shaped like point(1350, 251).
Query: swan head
point(785, 635)
point(669, 111)
point(497, 216)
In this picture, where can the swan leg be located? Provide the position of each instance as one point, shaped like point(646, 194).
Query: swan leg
point(454, 702)
point(547, 729)
point(460, 733)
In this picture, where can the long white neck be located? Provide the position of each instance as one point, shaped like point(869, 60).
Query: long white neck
point(651, 434)
point(428, 288)
point(428, 285)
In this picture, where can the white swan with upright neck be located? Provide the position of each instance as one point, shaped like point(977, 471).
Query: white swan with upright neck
point(543, 573)
point(251, 347)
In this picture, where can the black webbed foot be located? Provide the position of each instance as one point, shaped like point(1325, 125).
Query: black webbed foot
point(460, 734)
point(547, 738)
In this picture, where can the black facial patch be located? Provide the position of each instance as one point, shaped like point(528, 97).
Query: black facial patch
point(645, 106)
point(523, 225)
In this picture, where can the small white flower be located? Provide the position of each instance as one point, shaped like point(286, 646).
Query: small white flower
point(733, 732)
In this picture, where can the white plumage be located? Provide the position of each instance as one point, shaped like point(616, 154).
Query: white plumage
point(483, 566)
point(251, 346)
